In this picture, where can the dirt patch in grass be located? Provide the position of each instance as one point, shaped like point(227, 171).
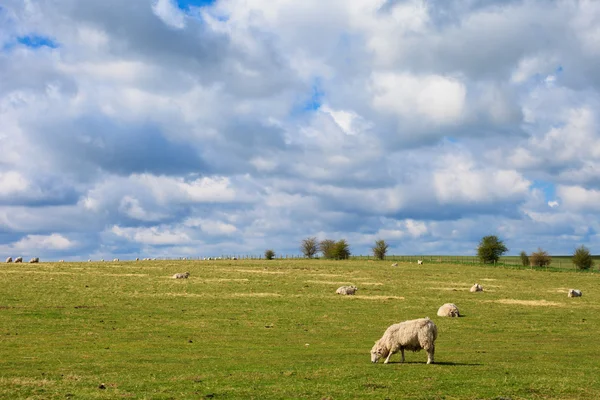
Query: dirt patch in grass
point(26, 382)
point(329, 282)
point(371, 283)
point(258, 271)
point(376, 297)
point(225, 280)
point(253, 295)
point(533, 303)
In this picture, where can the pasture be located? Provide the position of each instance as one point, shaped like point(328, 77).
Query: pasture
point(277, 330)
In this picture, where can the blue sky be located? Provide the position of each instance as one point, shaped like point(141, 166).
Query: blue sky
point(172, 128)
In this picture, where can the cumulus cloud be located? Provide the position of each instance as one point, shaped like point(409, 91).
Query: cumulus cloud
point(140, 127)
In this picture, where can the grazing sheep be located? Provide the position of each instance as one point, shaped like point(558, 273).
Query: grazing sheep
point(19, 259)
point(180, 275)
point(394, 264)
point(448, 310)
point(574, 293)
point(414, 335)
point(137, 259)
point(476, 288)
point(34, 260)
point(420, 262)
point(347, 290)
point(90, 260)
point(115, 260)
point(61, 260)
point(9, 260)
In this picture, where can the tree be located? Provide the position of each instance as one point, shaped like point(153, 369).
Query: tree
point(380, 249)
point(490, 249)
point(341, 250)
point(524, 259)
point(327, 247)
point(582, 258)
point(269, 254)
point(309, 247)
point(540, 258)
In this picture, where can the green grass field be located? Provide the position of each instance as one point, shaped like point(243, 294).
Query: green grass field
point(277, 330)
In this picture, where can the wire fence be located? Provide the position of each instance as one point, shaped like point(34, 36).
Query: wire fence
point(558, 262)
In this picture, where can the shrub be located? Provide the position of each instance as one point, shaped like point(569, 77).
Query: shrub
point(540, 258)
point(380, 249)
point(582, 258)
point(326, 247)
point(269, 254)
point(309, 247)
point(341, 250)
point(490, 249)
point(524, 259)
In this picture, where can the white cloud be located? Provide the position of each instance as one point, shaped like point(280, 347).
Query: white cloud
point(36, 243)
point(156, 235)
point(438, 99)
point(169, 13)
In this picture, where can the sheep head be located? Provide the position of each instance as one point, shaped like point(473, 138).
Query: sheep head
point(378, 351)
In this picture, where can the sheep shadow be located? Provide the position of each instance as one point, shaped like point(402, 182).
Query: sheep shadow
point(448, 363)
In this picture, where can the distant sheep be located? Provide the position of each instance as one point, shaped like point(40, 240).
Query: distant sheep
point(347, 290)
point(19, 259)
point(9, 260)
point(137, 259)
point(90, 260)
point(420, 262)
point(414, 335)
point(34, 260)
point(180, 275)
point(448, 310)
point(394, 264)
point(476, 288)
point(574, 293)
point(115, 260)
point(61, 260)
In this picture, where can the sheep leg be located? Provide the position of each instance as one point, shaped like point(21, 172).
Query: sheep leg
point(402, 351)
point(430, 353)
point(392, 351)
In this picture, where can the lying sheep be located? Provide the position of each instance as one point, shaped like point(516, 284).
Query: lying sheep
point(9, 260)
point(34, 260)
point(19, 259)
point(347, 290)
point(448, 310)
point(180, 275)
point(574, 293)
point(420, 262)
point(394, 264)
point(115, 260)
point(414, 335)
point(476, 288)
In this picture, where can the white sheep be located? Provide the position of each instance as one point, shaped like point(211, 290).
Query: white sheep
point(19, 259)
point(9, 260)
point(89, 260)
point(414, 335)
point(420, 262)
point(394, 264)
point(115, 260)
point(180, 275)
point(61, 260)
point(34, 260)
point(347, 290)
point(476, 288)
point(574, 293)
point(448, 310)
point(137, 259)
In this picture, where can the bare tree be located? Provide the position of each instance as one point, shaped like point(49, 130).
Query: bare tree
point(309, 247)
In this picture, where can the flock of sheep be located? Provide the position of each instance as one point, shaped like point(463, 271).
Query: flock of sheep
point(414, 335)
point(417, 334)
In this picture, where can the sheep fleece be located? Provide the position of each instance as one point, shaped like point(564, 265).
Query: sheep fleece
point(414, 335)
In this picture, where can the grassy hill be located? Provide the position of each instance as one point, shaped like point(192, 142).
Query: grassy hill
point(277, 330)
